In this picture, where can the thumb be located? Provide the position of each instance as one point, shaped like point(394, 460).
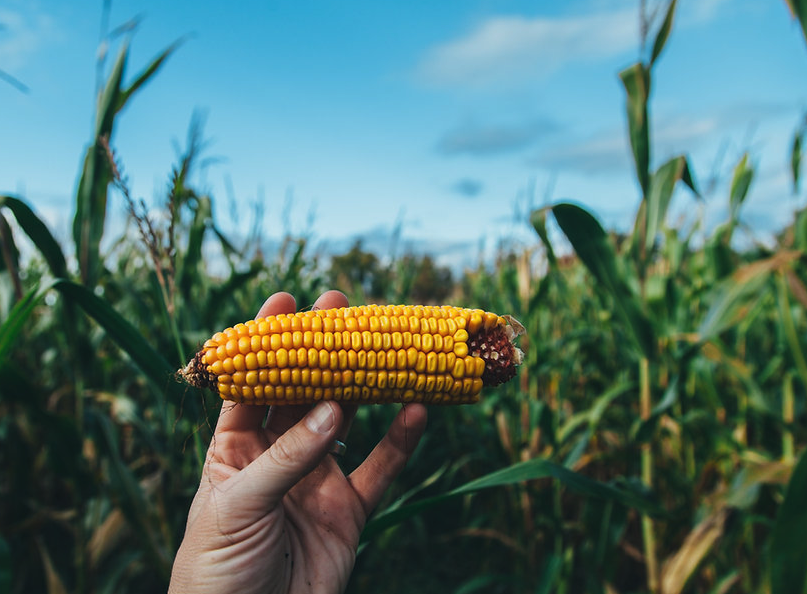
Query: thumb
point(294, 454)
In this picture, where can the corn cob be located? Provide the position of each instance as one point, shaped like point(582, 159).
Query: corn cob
point(360, 354)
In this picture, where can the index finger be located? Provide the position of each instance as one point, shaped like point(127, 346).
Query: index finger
point(249, 417)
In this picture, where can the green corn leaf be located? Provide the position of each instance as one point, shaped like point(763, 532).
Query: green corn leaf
point(593, 415)
point(800, 230)
point(146, 74)
point(484, 582)
point(10, 258)
point(219, 295)
point(662, 185)
point(735, 295)
point(39, 234)
point(594, 249)
point(788, 555)
point(126, 336)
point(550, 574)
point(190, 266)
point(517, 473)
point(795, 158)
point(96, 175)
point(109, 100)
point(17, 317)
point(129, 495)
point(720, 257)
point(113, 580)
point(740, 183)
point(90, 214)
point(636, 80)
point(579, 445)
point(227, 247)
point(295, 265)
point(538, 220)
point(789, 328)
point(642, 430)
point(663, 33)
point(91, 197)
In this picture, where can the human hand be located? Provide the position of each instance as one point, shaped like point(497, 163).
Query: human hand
point(274, 513)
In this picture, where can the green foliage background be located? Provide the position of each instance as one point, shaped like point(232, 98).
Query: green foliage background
point(653, 442)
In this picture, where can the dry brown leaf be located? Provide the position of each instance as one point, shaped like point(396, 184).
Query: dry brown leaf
point(678, 568)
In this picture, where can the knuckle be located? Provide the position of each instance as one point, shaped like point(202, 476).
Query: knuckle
point(286, 450)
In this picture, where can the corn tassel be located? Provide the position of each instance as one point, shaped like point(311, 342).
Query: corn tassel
point(361, 354)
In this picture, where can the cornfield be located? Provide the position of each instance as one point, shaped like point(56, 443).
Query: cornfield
point(654, 440)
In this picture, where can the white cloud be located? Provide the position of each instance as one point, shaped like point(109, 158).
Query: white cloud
point(468, 187)
point(609, 151)
point(603, 153)
point(506, 49)
point(509, 49)
point(483, 139)
point(22, 33)
point(682, 133)
point(702, 11)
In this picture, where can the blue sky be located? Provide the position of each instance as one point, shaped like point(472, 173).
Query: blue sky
point(450, 118)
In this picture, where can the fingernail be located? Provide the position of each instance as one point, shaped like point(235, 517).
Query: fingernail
point(320, 420)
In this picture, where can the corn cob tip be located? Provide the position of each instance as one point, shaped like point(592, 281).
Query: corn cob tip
point(496, 347)
point(196, 373)
point(431, 354)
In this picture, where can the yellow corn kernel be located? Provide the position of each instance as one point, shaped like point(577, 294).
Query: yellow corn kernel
point(460, 349)
point(459, 369)
point(475, 322)
point(368, 353)
point(275, 341)
point(438, 342)
point(427, 343)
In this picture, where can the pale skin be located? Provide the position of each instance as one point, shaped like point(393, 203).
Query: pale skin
point(274, 512)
